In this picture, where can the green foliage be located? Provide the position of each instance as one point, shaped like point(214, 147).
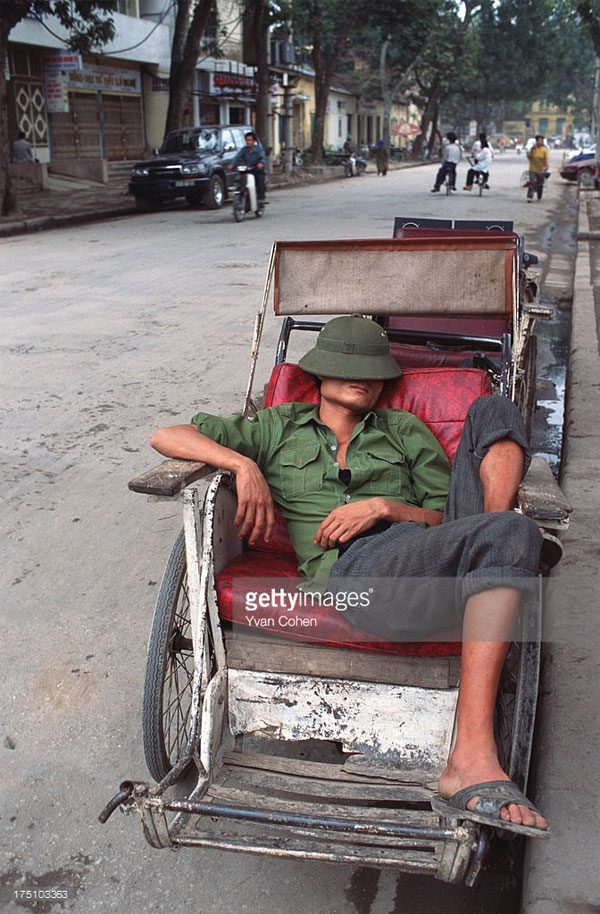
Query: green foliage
point(326, 20)
point(450, 56)
point(88, 22)
point(516, 52)
point(397, 30)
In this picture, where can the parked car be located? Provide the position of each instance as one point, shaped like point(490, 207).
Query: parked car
point(191, 163)
point(578, 155)
point(583, 171)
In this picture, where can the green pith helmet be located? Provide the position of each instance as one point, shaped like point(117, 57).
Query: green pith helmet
point(354, 348)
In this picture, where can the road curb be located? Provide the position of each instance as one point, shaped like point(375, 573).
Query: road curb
point(561, 873)
point(41, 223)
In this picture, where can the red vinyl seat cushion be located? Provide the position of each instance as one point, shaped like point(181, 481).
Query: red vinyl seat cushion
point(441, 398)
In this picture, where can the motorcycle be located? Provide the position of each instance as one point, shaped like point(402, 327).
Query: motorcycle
point(245, 198)
point(354, 166)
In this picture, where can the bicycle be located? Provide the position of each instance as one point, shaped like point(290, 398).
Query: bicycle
point(480, 178)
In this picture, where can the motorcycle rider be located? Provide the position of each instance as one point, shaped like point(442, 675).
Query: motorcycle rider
point(253, 156)
point(451, 159)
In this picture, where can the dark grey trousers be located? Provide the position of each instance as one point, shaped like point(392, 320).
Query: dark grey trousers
point(420, 577)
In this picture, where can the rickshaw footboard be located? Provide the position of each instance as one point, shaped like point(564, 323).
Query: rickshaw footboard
point(403, 833)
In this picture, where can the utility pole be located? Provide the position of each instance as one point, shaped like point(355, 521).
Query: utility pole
point(288, 109)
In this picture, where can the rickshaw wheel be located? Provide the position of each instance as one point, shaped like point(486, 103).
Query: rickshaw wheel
point(169, 670)
point(525, 393)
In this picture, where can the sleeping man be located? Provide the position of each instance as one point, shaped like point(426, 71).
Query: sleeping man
point(368, 492)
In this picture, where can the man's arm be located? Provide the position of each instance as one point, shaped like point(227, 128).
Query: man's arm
point(348, 521)
point(255, 512)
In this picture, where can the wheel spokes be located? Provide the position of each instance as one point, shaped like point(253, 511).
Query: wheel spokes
point(179, 678)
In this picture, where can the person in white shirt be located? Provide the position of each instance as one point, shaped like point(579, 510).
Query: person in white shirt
point(22, 149)
point(451, 160)
point(482, 164)
point(476, 147)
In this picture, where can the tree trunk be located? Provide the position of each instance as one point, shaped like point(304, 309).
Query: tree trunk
point(10, 14)
point(431, 107)
point(184, 56)
point(592, 23)
point(318, 137)
point(386, 94)
point(434, 131)
point(258, 23)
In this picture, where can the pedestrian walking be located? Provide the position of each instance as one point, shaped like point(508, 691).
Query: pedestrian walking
point(538, 168)
point(381, 158)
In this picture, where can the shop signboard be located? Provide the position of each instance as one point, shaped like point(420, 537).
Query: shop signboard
point(105, 79)
point(232, 84)
point(62, 60)
point(57, 95)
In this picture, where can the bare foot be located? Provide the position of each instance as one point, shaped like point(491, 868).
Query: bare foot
point(457, 776)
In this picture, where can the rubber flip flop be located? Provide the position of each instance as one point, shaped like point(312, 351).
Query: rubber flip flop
point(493, 796)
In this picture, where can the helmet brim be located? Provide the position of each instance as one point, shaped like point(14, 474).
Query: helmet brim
point(350, 367)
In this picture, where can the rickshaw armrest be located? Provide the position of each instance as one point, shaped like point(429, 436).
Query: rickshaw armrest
point(170, 477)
point(541, 498)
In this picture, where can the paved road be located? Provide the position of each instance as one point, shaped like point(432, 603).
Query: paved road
point(108, 330)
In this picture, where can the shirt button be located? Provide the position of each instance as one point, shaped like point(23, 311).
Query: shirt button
point(346, 498)
point(336, 464)
point(333, 447)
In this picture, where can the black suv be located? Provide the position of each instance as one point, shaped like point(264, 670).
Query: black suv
point(191, 163)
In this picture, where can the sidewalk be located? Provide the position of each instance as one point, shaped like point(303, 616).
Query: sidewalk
point(562, 873)
point(68, 201)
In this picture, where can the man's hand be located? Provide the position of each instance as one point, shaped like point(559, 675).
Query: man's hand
point(255, 514)
point(347, 521)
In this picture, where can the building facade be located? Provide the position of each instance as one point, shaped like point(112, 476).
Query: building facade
point(543, 118)
point(92, 108)
point(82, 113)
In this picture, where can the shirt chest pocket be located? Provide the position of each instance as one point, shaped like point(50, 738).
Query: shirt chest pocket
point(301, 470)
point(387, 473)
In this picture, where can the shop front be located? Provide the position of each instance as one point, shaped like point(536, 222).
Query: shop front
point(96, 112)
point(226, 93)
point(27, 99)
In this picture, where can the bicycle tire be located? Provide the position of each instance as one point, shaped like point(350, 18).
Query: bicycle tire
point(525, 390)
point(170, 657)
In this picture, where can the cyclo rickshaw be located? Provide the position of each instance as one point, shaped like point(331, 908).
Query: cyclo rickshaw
point(328, 747)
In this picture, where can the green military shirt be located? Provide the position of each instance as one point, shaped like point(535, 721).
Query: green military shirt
point(391, 454)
